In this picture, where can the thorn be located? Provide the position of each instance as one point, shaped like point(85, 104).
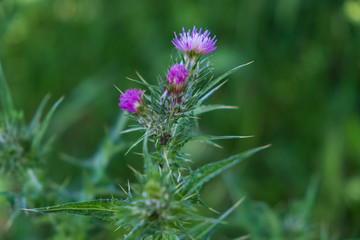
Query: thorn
point(267, 146)
point(194, 117)
point(141, 78)
point(220, 85)
point(28, 209)
point(133, 80)
point(250, 136)
point(167, 161)
point(197, 92)
point(231, 107)
point(61, 99)
point(243, 237)
point(118, 89)
point(118, 228)
point(239, 202)
point(179, 177)
point(129, 189)
point(123, 189)
point(213, 210)
point(130, 130)
point(133, 169)
point(190, 196)
point(127, 152)
point(217, 145)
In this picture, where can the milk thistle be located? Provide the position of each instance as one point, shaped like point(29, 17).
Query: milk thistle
point(164, 203)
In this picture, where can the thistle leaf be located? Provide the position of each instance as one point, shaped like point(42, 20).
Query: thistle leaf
point(209, 93)
point(207, 232)
point(5, 95)
point(103, 208)
point(136, 143)
point(134, 129)
point(203, 174)
point(203, 138)
point(208, 108)
point(209, 139)
point(149, 86)
point(40, 133)
point(209, 87)
point(35, 122)
point(136, 232)
point(149, 167)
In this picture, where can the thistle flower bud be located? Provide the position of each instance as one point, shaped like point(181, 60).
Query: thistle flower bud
point(131, 100)
point(176, 78)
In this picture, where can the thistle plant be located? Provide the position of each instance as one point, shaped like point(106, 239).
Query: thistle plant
point(164, 203)
point(23, 150)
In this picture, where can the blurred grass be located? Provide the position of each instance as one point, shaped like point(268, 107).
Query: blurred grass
point(301, 94)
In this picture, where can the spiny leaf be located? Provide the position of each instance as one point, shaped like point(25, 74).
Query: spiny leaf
point(35, 122)
point(214, 82)
point(119, 125)
point(208, 108)
point(166, 235)
point(307, 204)
point(211, 138)
point(5, 95)
point(103, 208)
point(135, 129)
point(208, 94)
point(136, 232)
point(149, 86)
point(203, 174)
point(86, 164)
point(77, 101)
point(40, 133)
point(136, 143)
point(147, 161)
point(206, 233)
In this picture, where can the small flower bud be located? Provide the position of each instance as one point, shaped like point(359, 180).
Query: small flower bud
point(176, 78)
point(131, 100)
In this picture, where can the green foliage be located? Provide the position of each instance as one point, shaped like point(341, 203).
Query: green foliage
point(295, 222)
point(22, 151)
point(102, 208)
point(203, 174)
point(21, 145)
point(301, 94)
point(166, 198)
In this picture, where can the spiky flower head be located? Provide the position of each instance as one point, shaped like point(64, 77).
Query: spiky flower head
point(131, 100)
point(176, 78)
point(194, 43)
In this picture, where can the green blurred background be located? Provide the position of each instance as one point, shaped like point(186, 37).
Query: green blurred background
point(301, 94)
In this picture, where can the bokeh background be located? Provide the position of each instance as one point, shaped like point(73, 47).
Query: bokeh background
point(302, 95)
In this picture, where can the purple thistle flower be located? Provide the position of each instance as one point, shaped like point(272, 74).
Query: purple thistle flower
point(176, 77)
point(131, 100)
point(195, 42)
